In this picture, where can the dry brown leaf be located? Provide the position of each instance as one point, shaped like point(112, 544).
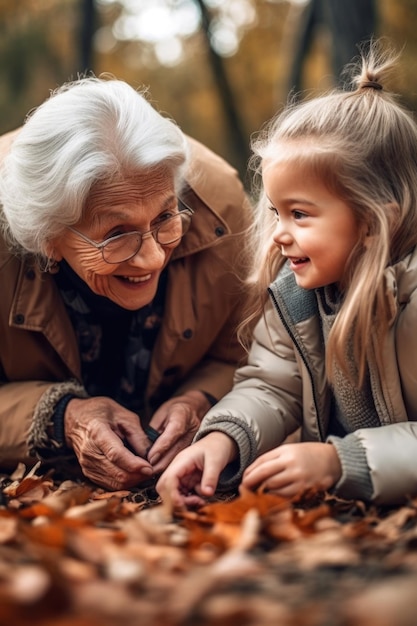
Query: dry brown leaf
point(31, 486)
point(281, 527)
point(392, 602)
point(69, 496)
point(391, 526)
point(95, 511)
point(81, 556)
point(53, 534)
point(19, 472)
point(29, 583)
point(77, 571)
point(8, 527)
point(90, 543)
point(306, 520)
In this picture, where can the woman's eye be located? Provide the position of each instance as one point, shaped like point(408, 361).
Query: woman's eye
point(165, 216)
point(114, 233)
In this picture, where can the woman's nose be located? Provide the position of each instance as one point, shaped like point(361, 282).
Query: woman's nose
point(151, 255)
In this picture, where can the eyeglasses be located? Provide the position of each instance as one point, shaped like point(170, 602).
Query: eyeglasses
point(125, 246)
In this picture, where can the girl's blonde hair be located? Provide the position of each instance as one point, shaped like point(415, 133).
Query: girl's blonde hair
point(363, 145)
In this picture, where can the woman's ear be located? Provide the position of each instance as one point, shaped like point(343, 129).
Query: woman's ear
point(51, 252)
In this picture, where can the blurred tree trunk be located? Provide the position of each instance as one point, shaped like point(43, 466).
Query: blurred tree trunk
point(349, 22)
point(239, 141)
point(88, 25)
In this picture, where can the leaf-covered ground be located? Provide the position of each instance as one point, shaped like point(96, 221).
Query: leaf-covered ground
point(75, 555)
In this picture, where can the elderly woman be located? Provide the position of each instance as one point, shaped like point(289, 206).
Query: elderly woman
point(121, 272)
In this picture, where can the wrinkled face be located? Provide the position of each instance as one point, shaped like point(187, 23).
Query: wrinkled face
point(316, 231)
point(113, 208)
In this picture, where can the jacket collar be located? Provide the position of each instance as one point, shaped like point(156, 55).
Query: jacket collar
point(206, 228)
point(37, 307)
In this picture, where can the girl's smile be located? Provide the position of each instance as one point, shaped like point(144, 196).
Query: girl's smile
point(297, 263)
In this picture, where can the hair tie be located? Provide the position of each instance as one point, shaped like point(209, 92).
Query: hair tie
point(372, 84)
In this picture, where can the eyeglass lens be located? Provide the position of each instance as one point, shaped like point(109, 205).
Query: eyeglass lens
point(127, 245)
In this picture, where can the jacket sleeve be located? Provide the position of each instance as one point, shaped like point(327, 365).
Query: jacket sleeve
point(391, 453)
point(391, 450)
point(26, 413)
point(265, 404)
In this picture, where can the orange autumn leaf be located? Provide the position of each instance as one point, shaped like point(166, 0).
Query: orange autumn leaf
point(53, 535)
point(58, 502)
point(251, 558)
point(234, 510)
point(36, 510)
point(305, 520)
point(29, 483)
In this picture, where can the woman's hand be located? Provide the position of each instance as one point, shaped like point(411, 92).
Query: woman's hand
point(177, 420)
point(292, 468)
point(194, 473)
point(97, 429)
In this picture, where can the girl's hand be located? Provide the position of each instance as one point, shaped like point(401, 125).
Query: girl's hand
point(292, 468)
point(194, 473)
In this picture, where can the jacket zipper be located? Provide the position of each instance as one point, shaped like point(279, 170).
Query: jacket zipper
point(300, 352)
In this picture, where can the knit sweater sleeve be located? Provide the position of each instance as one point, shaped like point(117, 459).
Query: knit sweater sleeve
point(46, 437)
point(355, 482)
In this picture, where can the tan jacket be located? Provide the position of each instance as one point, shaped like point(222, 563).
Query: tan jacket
point(196, 347)
point(283, 386)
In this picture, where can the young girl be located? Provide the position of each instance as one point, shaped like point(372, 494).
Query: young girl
point(335, 354)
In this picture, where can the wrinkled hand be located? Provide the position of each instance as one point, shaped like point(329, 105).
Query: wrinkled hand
point(194, 473)
point(177, 420)
point(293, 468)
point(96, 429)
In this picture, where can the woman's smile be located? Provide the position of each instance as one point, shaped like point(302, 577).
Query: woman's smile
point(136, 279)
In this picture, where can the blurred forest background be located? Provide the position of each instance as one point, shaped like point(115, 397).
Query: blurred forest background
point(220, 68)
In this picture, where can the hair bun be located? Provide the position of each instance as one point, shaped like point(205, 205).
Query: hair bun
point(371, 84)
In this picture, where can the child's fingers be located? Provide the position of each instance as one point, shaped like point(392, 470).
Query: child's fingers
point(210, 478)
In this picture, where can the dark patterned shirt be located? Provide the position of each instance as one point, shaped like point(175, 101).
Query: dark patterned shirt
point(115, 344)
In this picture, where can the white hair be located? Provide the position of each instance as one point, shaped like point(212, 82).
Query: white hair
point(88, 130)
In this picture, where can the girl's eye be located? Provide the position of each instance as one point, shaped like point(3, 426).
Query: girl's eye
point(274, 210)
point(299, 215)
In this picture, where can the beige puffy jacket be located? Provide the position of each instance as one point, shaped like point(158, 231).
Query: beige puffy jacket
point(283, 386)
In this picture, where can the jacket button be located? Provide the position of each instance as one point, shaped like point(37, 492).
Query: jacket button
point(30, 274)
point(188, 333)
point(19, 318)
point(219, 231)
point(171, 371)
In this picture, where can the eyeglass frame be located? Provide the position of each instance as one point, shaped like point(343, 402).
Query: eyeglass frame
point(101, 245)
